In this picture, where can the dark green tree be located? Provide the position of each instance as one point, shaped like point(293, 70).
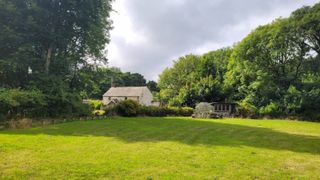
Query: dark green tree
point(44, 43)
point(153, 86)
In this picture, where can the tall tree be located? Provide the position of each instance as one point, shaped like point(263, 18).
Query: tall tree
point(153, 86)
point(53, 36)
point(273, 62)
point(193, 79)
point(44, 43)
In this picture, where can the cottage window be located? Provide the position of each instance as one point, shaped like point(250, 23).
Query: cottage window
point(125, 98)
point(109, 98)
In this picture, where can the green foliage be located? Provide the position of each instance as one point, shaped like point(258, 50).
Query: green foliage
point(43, 46)
point(51, 37)
point(98, 112)
point(274, 71)
point(94, 82)
point(61, 100)
point(310, 105)
point(271, 109)
point(19, 103)
point(165, 111)
point(131, 108)
point(184, 111)
point(127, 108)
point(293, 100)
point(193, 79)
point(95, 104)
point(269, 67)
point(153, 86)
point(247, 109)
point(152, 111)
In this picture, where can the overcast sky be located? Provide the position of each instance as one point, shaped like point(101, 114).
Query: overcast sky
point(149, 34)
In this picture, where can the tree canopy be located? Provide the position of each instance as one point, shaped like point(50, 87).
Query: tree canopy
point(45, 43)
point(93, 83)
point(273, 71)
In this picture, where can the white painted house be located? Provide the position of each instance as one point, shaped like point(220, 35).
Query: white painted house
point(116, 94)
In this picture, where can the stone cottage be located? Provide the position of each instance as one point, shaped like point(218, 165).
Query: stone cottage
point(116, 94)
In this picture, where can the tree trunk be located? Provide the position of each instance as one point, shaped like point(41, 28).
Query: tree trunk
point(48, 59)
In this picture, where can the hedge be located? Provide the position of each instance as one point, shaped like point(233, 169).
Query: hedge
point(130, 108)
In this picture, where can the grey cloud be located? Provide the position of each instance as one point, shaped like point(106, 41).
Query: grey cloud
point(175, 27)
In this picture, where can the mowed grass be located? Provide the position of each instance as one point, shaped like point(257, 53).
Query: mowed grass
point(163, 148)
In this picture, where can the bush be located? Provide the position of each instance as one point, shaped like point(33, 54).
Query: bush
point(61, 100)
point(95, 104)
point(165, 111)
point(152, 111)
point(98, 112)
point(131, 108)
point(66, 104)
point(80, 110)
point(128, 108)
point(110, 110)
point(2, 118)
point(17, 104)
point(186, 111)
point(20, 103)
point(310, 107)
point(246, 109)
point(272, 110)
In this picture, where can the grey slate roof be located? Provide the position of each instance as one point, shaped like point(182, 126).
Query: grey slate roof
point(125, 91)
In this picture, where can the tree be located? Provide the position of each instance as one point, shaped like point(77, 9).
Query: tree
point(43, 44)
point(271, 64)
point(53, 36)
point(273, 71)
point(181, 75)
point(194, 79)
point(93, 82)
point(153, 86)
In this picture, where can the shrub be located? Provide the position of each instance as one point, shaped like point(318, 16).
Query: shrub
point(152, 111)
point(21, 103)
point(81, 110)
point(247, 109)
point(128, 108)
point(310, 107)
point(131, 108)
point(271, 109)
point(61, 100)
point(110, 110)
point(171, 111)
point(66, 104)
point(165, 111)
point(98, 112)
point(185, 111)
point(17, 103)
point(95, 104)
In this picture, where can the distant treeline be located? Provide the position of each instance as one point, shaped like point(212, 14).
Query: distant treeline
point(93, 83)
point(274, 71)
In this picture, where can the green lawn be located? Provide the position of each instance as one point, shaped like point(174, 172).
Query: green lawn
point(163, 148)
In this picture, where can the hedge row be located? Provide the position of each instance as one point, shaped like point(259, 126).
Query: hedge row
point(130, 108)
point(18, 104)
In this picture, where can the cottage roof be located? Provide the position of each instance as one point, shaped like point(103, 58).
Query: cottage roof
point(125, 91)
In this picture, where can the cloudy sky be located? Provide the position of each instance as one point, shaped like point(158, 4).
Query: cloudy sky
point(149, 34)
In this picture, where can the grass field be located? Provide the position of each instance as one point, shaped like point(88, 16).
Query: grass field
point(163, 148)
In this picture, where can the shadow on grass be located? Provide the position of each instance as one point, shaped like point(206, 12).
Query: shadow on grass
point(187, 131)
